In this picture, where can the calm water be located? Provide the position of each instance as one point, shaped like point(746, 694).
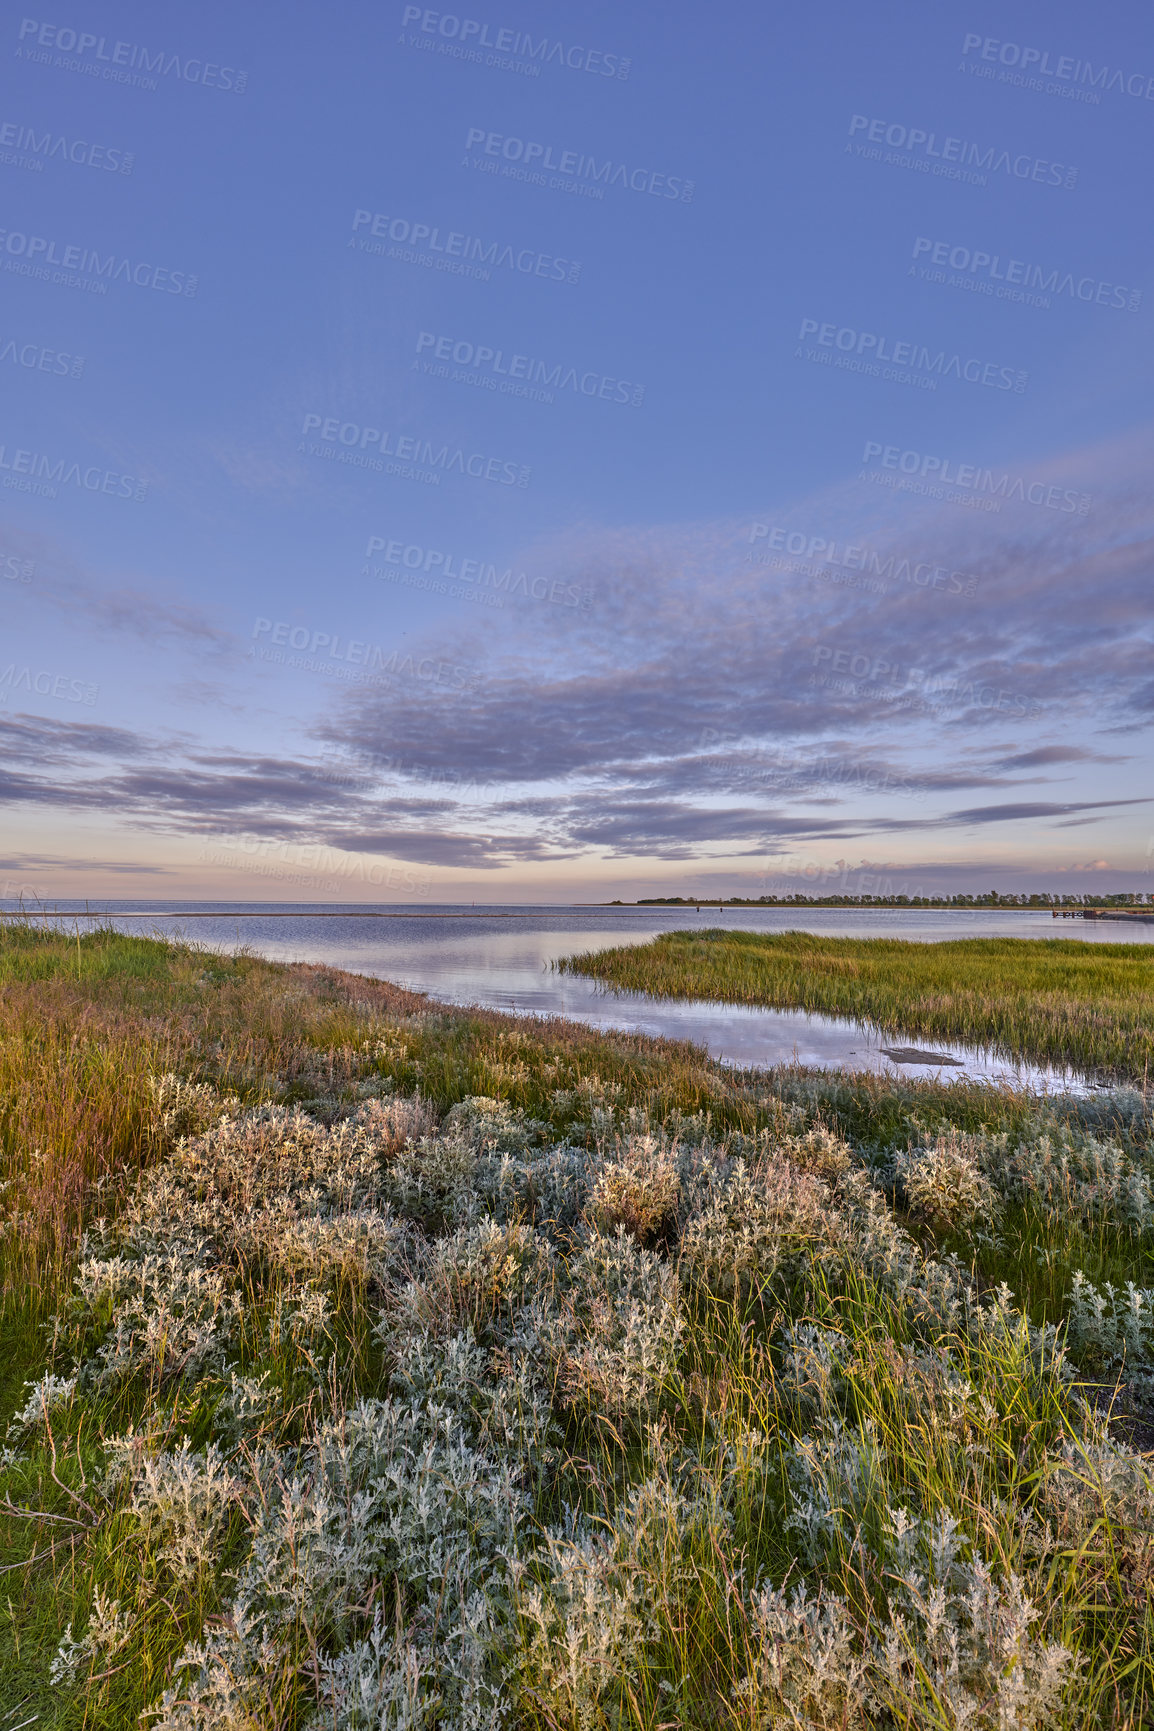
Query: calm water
point(501, 958)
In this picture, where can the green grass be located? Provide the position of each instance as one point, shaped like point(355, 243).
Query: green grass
point(84, 1029)
point(1050, 1000)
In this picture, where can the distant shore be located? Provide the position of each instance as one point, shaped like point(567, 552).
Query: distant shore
point(1070, 907)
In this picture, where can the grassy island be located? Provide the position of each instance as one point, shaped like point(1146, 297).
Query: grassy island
point(1048, 999)
point(372, 1363)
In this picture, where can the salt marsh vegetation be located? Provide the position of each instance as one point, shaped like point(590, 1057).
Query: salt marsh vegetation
point(377, 1364)
point(1049, 1000)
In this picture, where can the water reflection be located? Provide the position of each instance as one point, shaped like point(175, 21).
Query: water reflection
point(502, 958)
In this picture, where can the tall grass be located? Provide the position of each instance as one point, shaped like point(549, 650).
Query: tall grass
point(86, 1021)
point(1052, 1000)
point(423, 1367)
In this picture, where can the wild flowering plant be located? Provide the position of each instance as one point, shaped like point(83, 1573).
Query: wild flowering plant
point(182, 1502)
point(1096, 1507)
point(956, 1648)
point(44, 1397)
point(759, 1227)
point(616, 1339)
point(638, 1188)
point(819, 1150)
point(460, 1423)
point(806, 1669)
point(478, 1280)
point(959, 1644)
point(944, 1184)
point(388, 1491)
point(1108, 1328)
point(270, 1205)
point(838, 1488)
point(592, 1611)
point(1066, 1171)
point(189, 1108)
point(813, 1364)
point(108, 1633)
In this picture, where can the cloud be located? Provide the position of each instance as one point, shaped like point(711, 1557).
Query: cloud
point(78, 862)
point(1037, 809)
point(693, 644)
point(41, 739)
point(431, 847)
point(132, 605)
point(1047, 754)
point(708, 702)
point(223, 795)
point(142, 614)
point(671, 831)
point(707, 694)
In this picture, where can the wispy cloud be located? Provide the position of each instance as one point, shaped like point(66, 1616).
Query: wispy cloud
point(713, 706)
point(132, 604)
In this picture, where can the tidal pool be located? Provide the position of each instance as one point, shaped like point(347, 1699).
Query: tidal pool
point(502, 958)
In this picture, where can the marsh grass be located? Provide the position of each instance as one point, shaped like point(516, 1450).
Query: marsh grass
point(1049, 999)
point(402, 1366)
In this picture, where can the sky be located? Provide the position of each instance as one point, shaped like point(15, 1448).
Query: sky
point(550, 452)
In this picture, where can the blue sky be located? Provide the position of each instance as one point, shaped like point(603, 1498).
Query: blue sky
point(547, 452)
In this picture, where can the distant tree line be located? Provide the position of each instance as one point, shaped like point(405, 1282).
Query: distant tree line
point(991, 899)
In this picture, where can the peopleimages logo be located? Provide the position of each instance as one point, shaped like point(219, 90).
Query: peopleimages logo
point(34, 255)
point(310, 865)
point(437, 569)
point(1067, 69)
point(956, 158)
point(16, 569)
point(54, 147)
point(359, 652)
point(32, 472)
point(45, 684)
point(785, 773)
point(36, 358)
point(1021, 281)
point(936, 473)
point(466, 35)
point(101, 57)
point(928, 692)
point(453, 251)
point(573, 165)
point(872, 347)
point(365, 447)
point(520, 375)
point(821, 552)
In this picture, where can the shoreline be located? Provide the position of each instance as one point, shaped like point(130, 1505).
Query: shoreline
point(452, 910)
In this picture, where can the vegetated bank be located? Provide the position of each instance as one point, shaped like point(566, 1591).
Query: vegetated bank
point(1054, 1000)
point(411, 1366)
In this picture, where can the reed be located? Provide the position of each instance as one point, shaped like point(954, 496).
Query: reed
point(1051, 1000)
